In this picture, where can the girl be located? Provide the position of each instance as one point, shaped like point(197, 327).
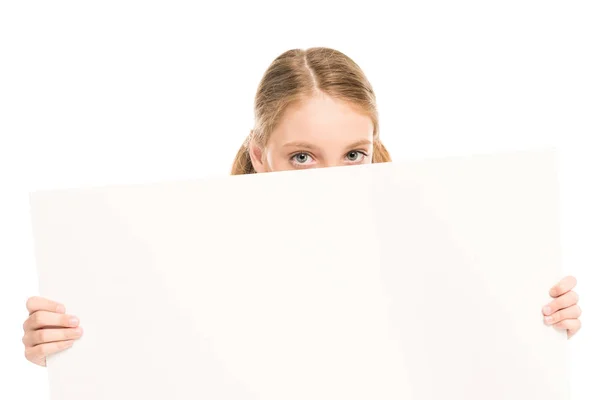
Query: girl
point(314, 108)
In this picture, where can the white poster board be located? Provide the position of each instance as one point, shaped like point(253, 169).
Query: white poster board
point(418, 280)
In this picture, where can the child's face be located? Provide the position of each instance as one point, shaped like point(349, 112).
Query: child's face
point(319, 132)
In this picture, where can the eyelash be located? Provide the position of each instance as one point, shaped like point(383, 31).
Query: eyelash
point(293, 156)
point(364, 153)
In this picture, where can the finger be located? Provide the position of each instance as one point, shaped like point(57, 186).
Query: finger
point(38, 354)
point(43, 319)
point(564, 301)
point(572, 326)
point(37, 303)
point(562, 287)
point(572, 312)
point(41, 336)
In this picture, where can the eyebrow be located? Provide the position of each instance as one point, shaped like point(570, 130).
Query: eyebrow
point(303, 145)
point(363, 142)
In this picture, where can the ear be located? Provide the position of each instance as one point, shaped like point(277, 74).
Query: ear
point(256, 156)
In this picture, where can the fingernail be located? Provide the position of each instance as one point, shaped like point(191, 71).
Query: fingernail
point(548, 320)
point(73, 321)
point(547, 310)
point(60, 309)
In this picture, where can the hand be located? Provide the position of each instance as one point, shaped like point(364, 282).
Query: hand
point(563, 312)
point(48, 330)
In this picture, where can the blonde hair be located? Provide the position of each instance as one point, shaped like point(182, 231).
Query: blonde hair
point(297, 74)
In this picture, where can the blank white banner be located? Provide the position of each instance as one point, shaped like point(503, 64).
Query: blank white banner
point(419, 280)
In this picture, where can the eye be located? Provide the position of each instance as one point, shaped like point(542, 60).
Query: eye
point(301, 158)
point(355, 156)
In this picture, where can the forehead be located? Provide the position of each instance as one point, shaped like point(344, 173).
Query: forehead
point(323, 120)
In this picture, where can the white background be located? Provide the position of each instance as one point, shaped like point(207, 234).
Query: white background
point(126, 92)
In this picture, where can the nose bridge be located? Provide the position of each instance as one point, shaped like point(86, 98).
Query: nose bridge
point(331, 162)
point(328, 159)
